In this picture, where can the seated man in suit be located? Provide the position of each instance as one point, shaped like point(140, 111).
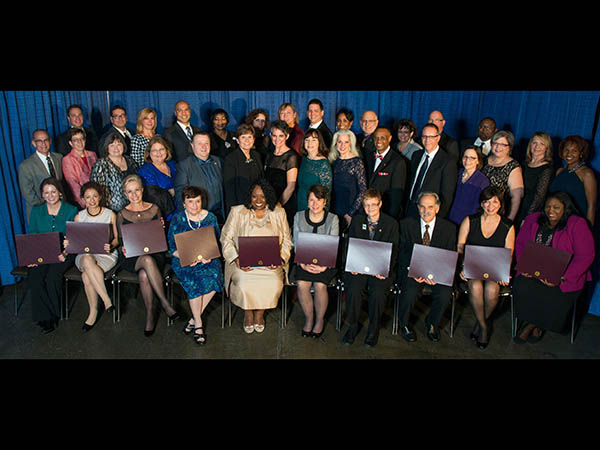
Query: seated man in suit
point(203, 170)
point(118, 124)
point(75, 119)
point(386, 172)
point(179, 135)
point(39, 166)
point(432, 170)
point(315, 114)
point(376, 226)
point(485, 130)
point(426, 230)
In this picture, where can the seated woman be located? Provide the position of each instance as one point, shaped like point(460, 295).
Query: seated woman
point(202, 279)
point(541, 305)
point(158, 175)
point(470, 184)
point(577, 179)
point(255, 289)
point(488, 228)
point(94, 266)
point(45, 281)
point(148, 267)
point(315, 219)
point(77, 164)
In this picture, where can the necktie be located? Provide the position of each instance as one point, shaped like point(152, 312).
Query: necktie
point(426, 237)
point(189, 133)
point(419, 180)
point(50, 167)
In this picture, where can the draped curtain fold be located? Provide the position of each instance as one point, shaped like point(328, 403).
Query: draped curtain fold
point(559, 113)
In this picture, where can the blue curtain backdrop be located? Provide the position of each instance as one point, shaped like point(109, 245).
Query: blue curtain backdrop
point(559, 113)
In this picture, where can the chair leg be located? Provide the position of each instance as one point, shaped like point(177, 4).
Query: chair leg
point(395, 319)
point(573, 321)
point(338, 314)
point(452, 313)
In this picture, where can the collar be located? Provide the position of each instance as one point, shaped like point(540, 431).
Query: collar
point(382, 155)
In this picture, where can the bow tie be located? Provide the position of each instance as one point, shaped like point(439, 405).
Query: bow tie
point(378, 156)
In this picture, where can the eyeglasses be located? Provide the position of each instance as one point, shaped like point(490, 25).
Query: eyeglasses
point(499, 144)
point(425, 137)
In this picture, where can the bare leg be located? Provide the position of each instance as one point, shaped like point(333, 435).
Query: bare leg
point(321, 302)
point(92, 298)
point(95, 277)
point(306, 302)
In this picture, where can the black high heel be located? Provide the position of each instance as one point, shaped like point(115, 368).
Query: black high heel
point(87, 327)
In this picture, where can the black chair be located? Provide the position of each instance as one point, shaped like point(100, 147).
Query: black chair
point(20, 272)
point(74, 274)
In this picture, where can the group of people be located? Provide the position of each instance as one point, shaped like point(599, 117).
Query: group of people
point(271, 178)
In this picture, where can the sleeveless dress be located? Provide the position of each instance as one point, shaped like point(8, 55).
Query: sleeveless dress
point(497, 239)
point(105, 260)
point(570, 183)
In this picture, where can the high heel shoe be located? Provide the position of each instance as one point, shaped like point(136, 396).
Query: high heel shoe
point(188, 328)
point(475, 333)
point(111, 308)
point(307, 333)
point(86, 327)
point(149, 333)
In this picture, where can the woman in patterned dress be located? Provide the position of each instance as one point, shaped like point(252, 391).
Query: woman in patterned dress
point(146, 129)
point(201, 280)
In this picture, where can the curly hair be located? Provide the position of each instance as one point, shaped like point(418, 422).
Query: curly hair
point(270, 195)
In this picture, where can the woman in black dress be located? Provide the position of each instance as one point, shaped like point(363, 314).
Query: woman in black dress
point(491, 229)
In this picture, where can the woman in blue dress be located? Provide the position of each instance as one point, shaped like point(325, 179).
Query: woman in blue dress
point(158, 171)
point(202, 279)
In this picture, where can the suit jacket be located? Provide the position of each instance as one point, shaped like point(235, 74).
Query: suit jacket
point(365, 145)
point(325, 133)
point(180, 144)
point(390, 180)
point(61, 142)
point(441, 178)
point(236, 179)
point(111, 129)
point(387, 231)
point(189, 173)
point(32, 172)
point(443, 236)
point(450, 145)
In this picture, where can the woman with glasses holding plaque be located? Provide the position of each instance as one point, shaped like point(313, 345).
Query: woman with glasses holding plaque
point(539, 304)
point(489, 228)
point(46, 280)
point(315, 219)
point(203, 278)
point(94, 266)
point(255, 289)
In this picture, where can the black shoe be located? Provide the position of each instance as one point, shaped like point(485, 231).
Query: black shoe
point(149, 333)
point(47, 326)
point(371, 340)
point(433, 333)
point(348, 338)
point(87, 327)
point(111, 308)
point(408, 334)
point(306, 333)
point(174, 317)
point(475, 333)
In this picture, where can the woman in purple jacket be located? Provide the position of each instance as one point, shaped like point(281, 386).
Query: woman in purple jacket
point(541, 305)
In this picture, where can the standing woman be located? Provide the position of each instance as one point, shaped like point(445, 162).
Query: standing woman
point(146, 129)
point(203, 278)
point(94, 266)
point(315, 219)
point(255, 289)
point(541, 305)
point(281, 169)
point(405, 132)
point(259, 119)
point(577, 179)
point(77, 164)
point(288, 114)
point(470, 184)
point(314, 169)
point(242, 167)
point(505, 173)
point(221, 139)
point(349, 178)
point(110, 170)
point(148, 267)
point(488, 228)
point(46, 281)
point(537, 174)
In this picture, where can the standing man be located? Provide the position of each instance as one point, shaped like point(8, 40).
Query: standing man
point(431, 230)
point(75, 119)
point(205, 171)
point(432, 170)
point(485, 130)
point(315, 114)
point(386, 172)
point(180, 134)
point(39, 166)
point(118, 121)
point(447, 143)
point(364, 141)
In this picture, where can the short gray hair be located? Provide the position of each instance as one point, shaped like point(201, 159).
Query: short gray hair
point(433, 194)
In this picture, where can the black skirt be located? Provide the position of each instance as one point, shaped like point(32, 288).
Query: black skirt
point(299, 274)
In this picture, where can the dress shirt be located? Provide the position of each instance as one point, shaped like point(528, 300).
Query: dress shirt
point(44, 159)
point(316, 125)
point(431, 156)
point(379, 157)
point(185, 128)
point(431, 227)
point(485, 145)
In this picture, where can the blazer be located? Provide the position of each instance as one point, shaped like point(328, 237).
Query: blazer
point(189, 173)
point(112, 129)
point(387, 231)
point(389, 179)
point(326, 133)
point(451, 146)
point(576, 238)
point(443, 236)
point(180, 144)
point(76, 173)
point(441, 178)
point(32, 172)
point(236, 180)
point(61, 142)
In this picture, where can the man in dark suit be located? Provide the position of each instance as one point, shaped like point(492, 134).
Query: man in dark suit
point(437, 232)
point(315, 114)
point(485, 131)
point(433, 170)
point(376, 226)
point(386, 172)
point(118, 124)
point(75, 119)
point(447, 143)
point(364, 141)
point(39, 166)
point(179, 135)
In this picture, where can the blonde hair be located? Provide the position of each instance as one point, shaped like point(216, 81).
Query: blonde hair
point(334, 154)
point(545, 137)
point(140, 118)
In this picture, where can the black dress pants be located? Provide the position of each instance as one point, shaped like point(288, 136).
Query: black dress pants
point(45, 283)
point(375, 290)
point(411, 291)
